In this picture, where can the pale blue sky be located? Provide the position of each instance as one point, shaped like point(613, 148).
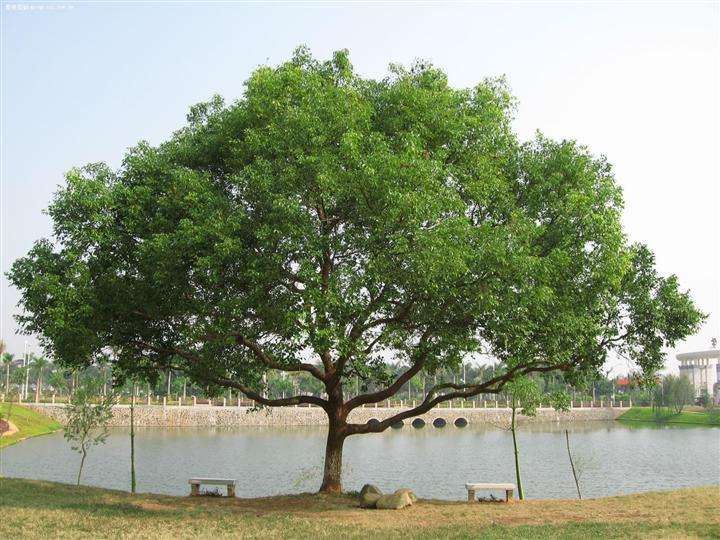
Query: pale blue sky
point(635, 81)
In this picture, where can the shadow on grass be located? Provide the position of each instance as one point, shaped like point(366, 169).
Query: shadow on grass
point(39, 494)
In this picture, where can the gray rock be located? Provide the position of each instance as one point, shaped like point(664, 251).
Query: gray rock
point(369, 500)
point(413, 498)
point(369, 488)
point(396, 501)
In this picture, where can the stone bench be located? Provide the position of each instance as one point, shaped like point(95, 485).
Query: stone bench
point(196, 482)
point(472, 488)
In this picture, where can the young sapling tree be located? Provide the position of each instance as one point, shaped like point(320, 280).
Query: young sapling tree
point(86, 422)
point(525, 398)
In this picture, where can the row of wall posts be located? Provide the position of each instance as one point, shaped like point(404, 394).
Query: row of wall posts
point(483, 404)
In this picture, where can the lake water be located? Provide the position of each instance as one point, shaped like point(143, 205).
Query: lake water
point(612, 459)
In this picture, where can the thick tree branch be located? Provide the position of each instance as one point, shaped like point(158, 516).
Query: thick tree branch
point(259, 398)
point(616, 339)
point(391, 390)
point(266, 359)
point(224, 381)
point(360, 325)
point(463, 391)
point(260, 353)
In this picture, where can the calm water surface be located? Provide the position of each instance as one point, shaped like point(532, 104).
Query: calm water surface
point(612, 459)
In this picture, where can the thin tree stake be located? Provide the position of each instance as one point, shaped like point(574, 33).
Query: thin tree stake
point(572, 465)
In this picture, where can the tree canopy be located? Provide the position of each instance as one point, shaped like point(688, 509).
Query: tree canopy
point(327, 223)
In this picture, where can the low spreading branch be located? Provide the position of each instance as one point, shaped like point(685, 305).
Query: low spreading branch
point(266, 359)
point(462, 391)
point(380, 395)
point(229, 383)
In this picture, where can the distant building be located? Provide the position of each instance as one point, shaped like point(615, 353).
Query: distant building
point(624, 384)
point(703, 370)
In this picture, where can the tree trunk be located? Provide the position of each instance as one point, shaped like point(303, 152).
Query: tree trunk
point(337, 432)
point(332, 474)
point(38, 386)
point(521, 495)
point(82, 462)
point(132, 441)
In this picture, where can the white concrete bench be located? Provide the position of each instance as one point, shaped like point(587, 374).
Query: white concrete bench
point(196, 482)
point(472, 488)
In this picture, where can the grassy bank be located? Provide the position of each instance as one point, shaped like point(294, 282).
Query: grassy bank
point(28, 422)
point(646, 414)
point(33, 509)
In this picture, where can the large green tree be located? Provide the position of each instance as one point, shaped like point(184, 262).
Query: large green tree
point(326, 223)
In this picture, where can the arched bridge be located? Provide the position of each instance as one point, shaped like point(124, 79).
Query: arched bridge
point(461, 417)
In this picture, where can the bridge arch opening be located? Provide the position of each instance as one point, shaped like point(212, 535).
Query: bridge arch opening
point(418, 423)
point(398, 424)
point(439, 422)
point(373, 422)
point(461, 422)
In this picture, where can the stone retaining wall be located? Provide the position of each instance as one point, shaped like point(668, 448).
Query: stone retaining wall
point(203, 415)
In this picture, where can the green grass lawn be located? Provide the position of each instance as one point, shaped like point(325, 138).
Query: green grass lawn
point(646, 414)
point(34, 509)
point(28, 422)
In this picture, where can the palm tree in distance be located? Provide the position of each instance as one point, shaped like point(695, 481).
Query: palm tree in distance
point(7, 360)
point(3, 346)
point(39, 364)
point(57, 379)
